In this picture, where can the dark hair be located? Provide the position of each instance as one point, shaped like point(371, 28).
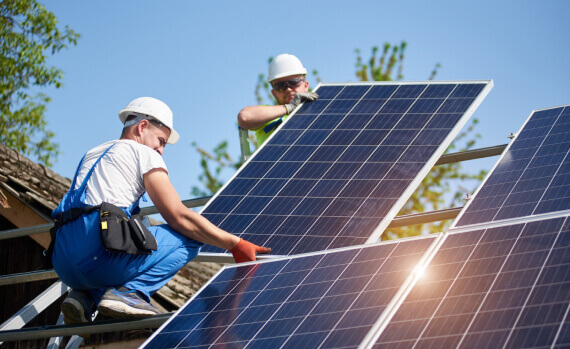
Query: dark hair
point(157, 123)
point(130, 117)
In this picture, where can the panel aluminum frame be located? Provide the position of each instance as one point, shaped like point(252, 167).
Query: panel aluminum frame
point(376, 234)
point(454, 227)
point(383, 318)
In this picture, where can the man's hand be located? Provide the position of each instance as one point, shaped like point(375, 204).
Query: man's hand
point(299, 98)
point(245, 251)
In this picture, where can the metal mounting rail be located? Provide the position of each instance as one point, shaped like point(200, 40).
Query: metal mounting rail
point(44, 228)
point(399, 221)
point(88, 328)
point(444, 159)
point(16, 233)
point(471, 154)
point(424, 217)
point(188, 203)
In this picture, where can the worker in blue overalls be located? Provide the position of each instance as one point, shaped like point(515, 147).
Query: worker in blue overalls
point(117, 271)
point(290, 88)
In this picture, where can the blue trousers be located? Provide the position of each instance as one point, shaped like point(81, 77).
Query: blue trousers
point(82, 263)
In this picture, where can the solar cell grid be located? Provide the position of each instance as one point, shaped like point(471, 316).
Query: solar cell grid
point(384, 135)
point(504, 286)
point(329, 299)
point(531, 177)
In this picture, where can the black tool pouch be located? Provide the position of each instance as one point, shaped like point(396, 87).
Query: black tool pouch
point(121, 234)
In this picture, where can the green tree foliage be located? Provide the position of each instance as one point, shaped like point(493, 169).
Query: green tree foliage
point(210, 178)
point(30, 34)
point(381, 68)
point(443, 187)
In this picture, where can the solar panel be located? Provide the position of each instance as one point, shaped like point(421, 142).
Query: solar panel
point(507, 286)
point(330, 299)
point(340, 168)
point(532, 176)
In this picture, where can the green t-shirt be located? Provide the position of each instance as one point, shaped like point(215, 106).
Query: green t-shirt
point(262, 133)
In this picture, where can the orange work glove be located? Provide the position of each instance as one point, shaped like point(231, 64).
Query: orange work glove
point(245, 251)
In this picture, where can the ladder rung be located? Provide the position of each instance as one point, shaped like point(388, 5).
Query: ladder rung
point(102, 326)
point(27, 277)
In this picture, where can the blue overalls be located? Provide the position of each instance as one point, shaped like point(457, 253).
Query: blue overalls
point(82, 263)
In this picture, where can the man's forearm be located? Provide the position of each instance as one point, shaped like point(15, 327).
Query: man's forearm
point(253, 117)
point(198, 228)
point(179, 217)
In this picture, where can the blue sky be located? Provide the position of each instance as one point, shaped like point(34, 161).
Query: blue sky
point(203, 58)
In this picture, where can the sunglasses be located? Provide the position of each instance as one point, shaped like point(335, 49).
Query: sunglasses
point(283, 85)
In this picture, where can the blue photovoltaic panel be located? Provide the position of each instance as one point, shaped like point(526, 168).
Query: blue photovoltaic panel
point(506, 286)
point(340, 168)
point(532, 176)
point(330, 299)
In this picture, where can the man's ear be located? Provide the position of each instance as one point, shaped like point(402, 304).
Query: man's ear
point(273, 93)
point(142, 125)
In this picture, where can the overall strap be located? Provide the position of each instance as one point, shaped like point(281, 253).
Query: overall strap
point(88, 175)
point(73, 212)
point(77, 172)
point(272, 125)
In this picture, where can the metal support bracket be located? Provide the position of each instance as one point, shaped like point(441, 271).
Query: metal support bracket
point(244, 144)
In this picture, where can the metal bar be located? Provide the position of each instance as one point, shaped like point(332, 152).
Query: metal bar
point(425, 217)
point(444, 159)
point(51, 274)
point(399, 221)
point(244, 144)
point(88, 328)
point(224, 258)
point(471, 154)
point(33, 308)
point(15, 233)
point(190, 203)
point(27, 277)
point(74, 342)
point(55, 342)
point(44, 228)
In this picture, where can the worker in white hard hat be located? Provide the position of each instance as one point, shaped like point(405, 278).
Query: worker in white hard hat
point(290, 88)
point(111, 261)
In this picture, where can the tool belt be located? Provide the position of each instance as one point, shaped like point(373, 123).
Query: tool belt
point(118, 233)
point(121, 234)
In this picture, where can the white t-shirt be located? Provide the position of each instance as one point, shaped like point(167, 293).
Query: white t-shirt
point(118, 177)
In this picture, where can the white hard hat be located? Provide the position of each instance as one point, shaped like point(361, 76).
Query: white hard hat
point(285, 65)
point(154, 109)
